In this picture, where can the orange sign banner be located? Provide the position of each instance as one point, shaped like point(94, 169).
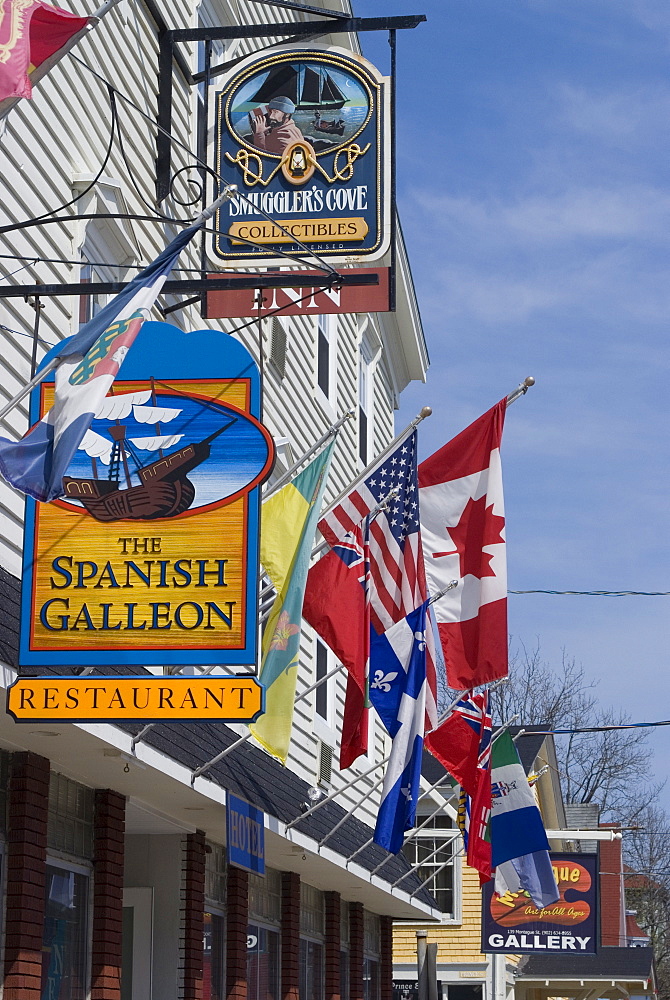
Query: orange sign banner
point(146, 699)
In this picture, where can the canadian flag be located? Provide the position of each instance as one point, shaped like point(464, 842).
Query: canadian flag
point(463, 530)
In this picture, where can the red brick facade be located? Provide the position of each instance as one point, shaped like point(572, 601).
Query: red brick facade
point(28, 804)
point(192, 915)
point(612, 913)
point(332, 949)
point(290, 936)
point(237, 918)
point(109, 824)
point(386, 958)
point(356, 950)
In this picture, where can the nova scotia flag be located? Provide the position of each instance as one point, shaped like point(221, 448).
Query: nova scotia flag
point(398, 693)
point(87, 366)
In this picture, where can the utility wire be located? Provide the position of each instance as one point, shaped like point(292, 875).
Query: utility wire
point(598, 593)
point(595, 729)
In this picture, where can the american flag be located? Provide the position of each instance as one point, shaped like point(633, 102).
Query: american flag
point(397, 577)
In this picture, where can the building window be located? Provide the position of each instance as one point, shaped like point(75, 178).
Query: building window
point(371, 949)
point(213, 952)
point(365, 359)
point(278, 344)
point(431, 852)
point(312, 933)
point(263, 937)
point(65, 934)
point(70, 819)
point(215, 873)
point(214, 940)
point(321, 693)
point(326, 357)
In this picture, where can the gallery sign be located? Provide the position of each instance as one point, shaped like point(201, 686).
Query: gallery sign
point(512, 924)
point(151, 556)
point(305, 136)
point(303, 300)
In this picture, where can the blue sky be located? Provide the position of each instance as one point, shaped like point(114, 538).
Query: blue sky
point(534, 192)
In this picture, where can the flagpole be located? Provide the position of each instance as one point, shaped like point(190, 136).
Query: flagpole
point(247, 736)
point(230, 191)
point(332, 430)
point(520, 390)
point(423, 413)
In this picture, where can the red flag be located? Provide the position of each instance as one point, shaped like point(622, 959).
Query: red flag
point(336, 607)
point(33, 37)
point(459, 742)
point(463, 530)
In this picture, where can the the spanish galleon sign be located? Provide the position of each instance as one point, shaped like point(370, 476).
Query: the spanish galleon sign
point(151, 556)
point(305, 136)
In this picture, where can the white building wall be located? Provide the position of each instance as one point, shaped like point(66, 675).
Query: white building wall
point(51, 149)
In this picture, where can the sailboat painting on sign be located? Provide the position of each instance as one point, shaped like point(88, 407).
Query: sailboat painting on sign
point(150, 556)
point(154, 454)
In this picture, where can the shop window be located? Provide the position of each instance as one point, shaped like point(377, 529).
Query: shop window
point(311, 970)
point(215, 873)
point(70, 820)
point(371, 979)
point(263, 936)
point(65, 934)
point(262, 963)
point(213, 957)
point(312, 931)
point(431, 852)
point(371, 948)
point(265, 897)
point(214, 938)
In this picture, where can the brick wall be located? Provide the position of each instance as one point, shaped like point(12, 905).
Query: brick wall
point(612, 926)
point(386, 958)
point(28, 804)
point(237, 918)
point(109, 826)
point(192, 910)
point(290, 936)
point(332, 949)
point(356, 950)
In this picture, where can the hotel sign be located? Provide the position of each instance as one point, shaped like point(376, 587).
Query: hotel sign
point(151, 555)
point(512, 924)
point(305, 136)
point(245, 835)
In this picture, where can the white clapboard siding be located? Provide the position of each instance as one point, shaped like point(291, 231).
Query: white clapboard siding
point(48, 146)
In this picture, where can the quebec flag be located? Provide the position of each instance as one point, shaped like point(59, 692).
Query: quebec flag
point(87, 366)
point(398, 693)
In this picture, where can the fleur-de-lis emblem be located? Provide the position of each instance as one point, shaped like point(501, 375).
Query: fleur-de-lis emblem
point(421, 639)
point(383, 681)
point(407, 792)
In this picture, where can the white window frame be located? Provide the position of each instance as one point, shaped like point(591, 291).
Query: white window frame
point(432, 834)
point(326, 324)
point(324, 728)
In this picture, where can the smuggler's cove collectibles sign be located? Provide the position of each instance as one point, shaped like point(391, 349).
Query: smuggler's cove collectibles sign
point(513, 924)
point(304, 134)
point(151, 556)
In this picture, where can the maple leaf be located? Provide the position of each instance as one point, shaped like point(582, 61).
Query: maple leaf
point(478, 526)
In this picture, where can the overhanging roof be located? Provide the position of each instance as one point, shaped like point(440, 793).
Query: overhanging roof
point(618, 966)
